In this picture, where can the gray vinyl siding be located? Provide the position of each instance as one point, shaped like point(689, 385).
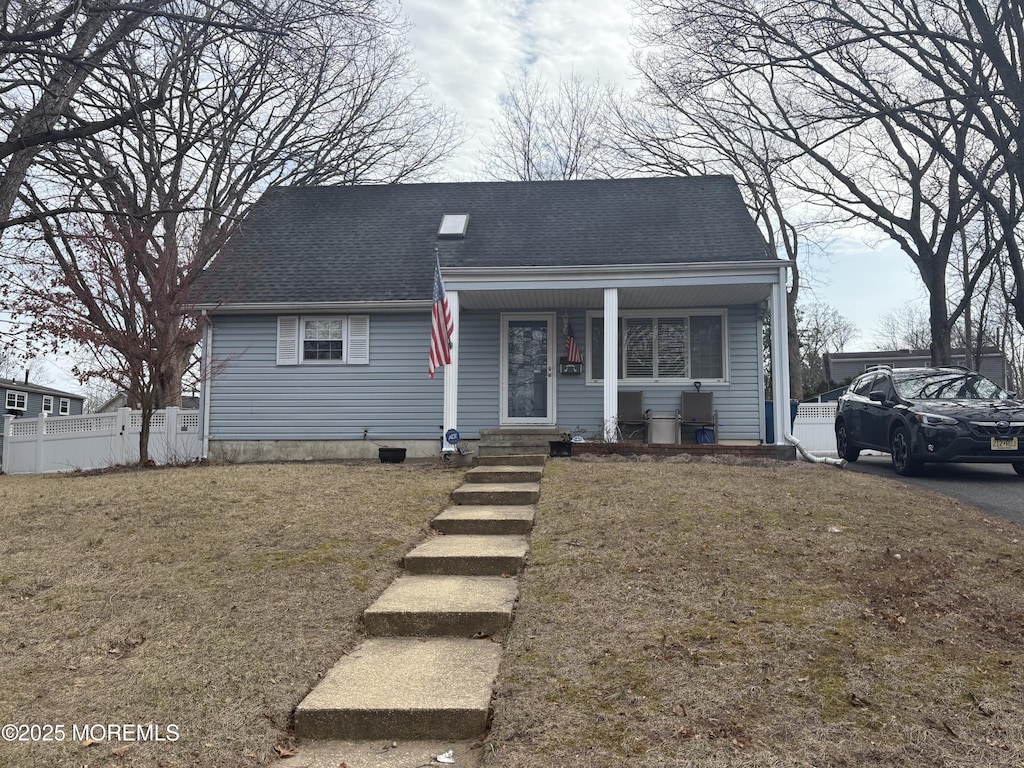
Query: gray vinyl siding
point(252, 398)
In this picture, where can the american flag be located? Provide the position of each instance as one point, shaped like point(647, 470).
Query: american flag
point(441, 327)
point(572, 352)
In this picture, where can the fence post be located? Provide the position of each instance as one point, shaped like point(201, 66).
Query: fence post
point(123, 423)
point(5, 448)
point(40, 442)
point(171, 440)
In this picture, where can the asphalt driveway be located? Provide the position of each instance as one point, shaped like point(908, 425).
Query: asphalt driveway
point(993, 488)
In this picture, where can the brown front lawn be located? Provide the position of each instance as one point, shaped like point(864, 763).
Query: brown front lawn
point(209, 599)
point(712, 614)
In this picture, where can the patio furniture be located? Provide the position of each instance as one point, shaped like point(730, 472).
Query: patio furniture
point(632, 421)
point(698, 417)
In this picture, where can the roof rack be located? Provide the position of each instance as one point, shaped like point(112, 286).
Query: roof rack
point(878, 367)
point(955, 367)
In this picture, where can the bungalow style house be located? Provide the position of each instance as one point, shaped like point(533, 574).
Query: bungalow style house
point(318, 314)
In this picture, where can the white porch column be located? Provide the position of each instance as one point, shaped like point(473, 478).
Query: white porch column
point(780, 360)
point(450, 415)
point(611, 357)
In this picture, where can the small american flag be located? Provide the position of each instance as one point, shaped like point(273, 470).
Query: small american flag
point(441, 327)
point(572, 352)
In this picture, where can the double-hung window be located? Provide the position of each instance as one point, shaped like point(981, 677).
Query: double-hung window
point(47, 404)
point(312, 339)
point(65, 406)
point(662, 346)
point(17, 401)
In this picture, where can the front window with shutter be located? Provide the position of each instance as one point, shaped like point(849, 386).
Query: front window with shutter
point(663, 347)
point(336, 339)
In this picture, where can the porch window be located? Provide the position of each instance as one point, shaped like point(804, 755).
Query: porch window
point(666, 346)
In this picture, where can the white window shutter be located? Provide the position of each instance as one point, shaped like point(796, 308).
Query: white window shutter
point(359, 339)
point(288, 340)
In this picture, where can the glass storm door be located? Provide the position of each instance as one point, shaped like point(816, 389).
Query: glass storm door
point(527, 375)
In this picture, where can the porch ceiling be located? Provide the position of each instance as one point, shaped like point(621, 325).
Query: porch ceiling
point(658, 297)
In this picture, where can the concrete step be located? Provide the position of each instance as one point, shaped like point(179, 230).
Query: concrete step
point(404, 688)
point(494, 451)
point(517, 460)
point(487, 519)
point(467, 556)
point(505, 474)
point(453, 606)
point(497, 493)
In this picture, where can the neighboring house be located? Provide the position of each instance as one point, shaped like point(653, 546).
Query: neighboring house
point(841, 367)
point(23, 400)
point(26, 401)
point(318, 313)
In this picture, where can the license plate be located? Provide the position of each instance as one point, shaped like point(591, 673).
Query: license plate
point(1004, 443)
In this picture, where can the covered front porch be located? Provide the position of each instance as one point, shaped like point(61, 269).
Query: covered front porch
point(656, 331)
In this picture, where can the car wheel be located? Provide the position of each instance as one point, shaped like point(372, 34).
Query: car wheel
point(1018, 467)
point(843, 447)
point(903, 460)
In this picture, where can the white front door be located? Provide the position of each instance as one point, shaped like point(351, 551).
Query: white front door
point(527, 370)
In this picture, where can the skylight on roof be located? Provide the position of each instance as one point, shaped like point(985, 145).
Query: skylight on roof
point(453, 225)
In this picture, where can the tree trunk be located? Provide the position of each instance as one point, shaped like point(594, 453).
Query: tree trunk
point(796, 370)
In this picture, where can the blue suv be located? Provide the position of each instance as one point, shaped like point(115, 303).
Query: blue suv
point(923, 415)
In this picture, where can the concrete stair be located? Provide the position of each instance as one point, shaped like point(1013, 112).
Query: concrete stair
point(505, 474)
point(512, 442)
point(518, 460)
point(404, 688)
point(422, 674)
point(488, 519)
point(497, 493)
point(456, 606)
point(468, 556)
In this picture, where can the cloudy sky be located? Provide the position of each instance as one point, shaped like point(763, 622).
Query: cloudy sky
point(467, 49)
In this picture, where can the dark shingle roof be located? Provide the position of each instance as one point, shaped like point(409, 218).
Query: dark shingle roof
point(376, 243)
point(22, 386)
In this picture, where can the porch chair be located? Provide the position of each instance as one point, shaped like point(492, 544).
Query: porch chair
point(632, 422)
point(697, 412)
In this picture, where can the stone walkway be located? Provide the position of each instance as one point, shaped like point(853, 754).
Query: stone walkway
point(425, 675)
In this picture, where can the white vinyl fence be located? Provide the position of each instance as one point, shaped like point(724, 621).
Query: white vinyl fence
point(815, 427)
point(94, 441)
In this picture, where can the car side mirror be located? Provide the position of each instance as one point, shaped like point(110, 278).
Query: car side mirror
point(877, 396)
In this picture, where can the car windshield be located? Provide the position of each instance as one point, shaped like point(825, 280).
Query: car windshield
point(947, 385)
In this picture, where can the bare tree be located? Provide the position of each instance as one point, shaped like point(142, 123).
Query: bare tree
point(58, 76)
point(144, 208)
point(822, 330)
point(903, 328)
point(684, 134)
point(540, 136)
point(861, 90)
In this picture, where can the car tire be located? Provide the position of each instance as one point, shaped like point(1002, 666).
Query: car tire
point(1018, 467)
point(900, 450)
point(843, 447)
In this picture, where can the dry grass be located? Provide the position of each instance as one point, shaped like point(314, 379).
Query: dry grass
point(207, 598)
point(712, 614)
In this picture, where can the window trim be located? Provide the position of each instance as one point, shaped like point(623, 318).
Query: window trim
point(355, 340)
point(64, 406)
point(659, 314)
point(14, 393)
point(47, 406)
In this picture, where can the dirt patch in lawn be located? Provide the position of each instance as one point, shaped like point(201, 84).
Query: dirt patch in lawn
point(208, 599)
point(727, 613)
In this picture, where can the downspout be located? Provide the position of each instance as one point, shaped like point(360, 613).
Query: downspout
point(204, 377)
point(808, 456)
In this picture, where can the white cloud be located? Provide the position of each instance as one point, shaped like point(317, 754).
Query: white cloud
point(468, 49)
